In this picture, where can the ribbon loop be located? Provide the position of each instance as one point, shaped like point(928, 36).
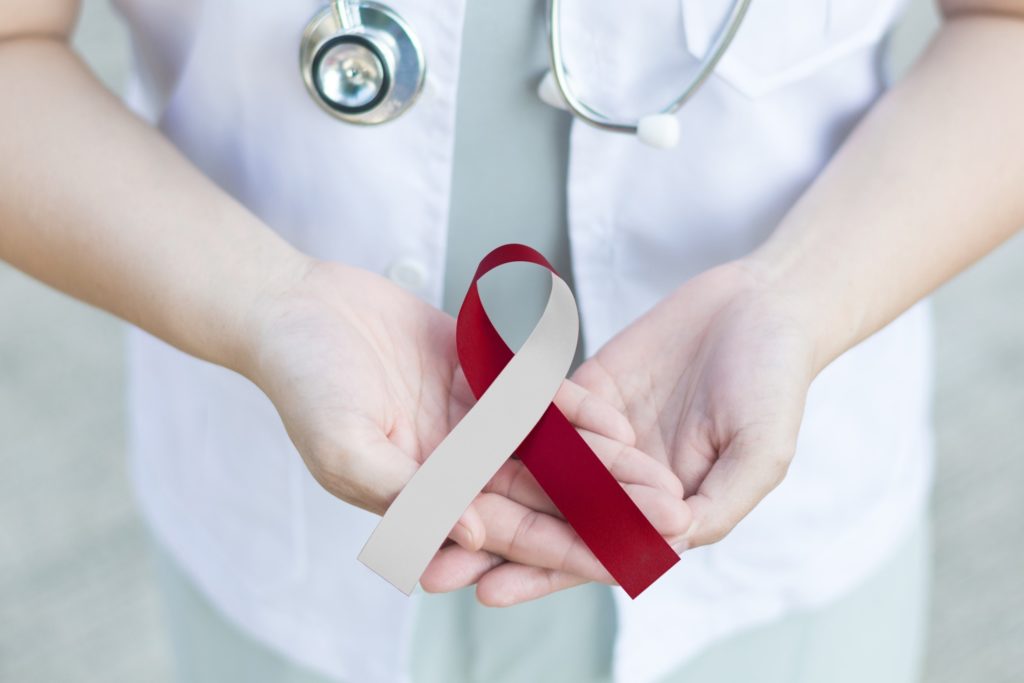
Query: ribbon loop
point(514, 413)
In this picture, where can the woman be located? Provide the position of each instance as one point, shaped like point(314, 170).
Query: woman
point(283, 270)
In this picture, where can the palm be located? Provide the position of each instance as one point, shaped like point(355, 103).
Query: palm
point(366, 379)
point(354, 362)
point(713, 380)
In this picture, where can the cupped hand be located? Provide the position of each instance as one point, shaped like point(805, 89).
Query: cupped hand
point(713, 380)
point(367, 382)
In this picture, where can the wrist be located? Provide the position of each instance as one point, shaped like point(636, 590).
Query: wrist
point(808, 297)
point(259, 301)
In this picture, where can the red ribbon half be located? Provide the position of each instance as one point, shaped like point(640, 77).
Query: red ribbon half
point(591, 499)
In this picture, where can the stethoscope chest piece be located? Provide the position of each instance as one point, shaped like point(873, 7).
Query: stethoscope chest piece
point(360, 62)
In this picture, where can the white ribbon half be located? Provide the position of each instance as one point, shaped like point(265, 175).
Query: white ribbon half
point(424, 512)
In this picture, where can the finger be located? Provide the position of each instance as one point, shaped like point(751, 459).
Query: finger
point(746, 472)
point(655, 490)
point(521, 534)
point(671, 517)
point(469, 532)
point(588, 411)
point(454, 567)
point(370, 471)
point(594, 378)
point(694, 452)
point(362, 466)
point(514, 481)
point(511, 583)
point(626, 464)
point(462, 398)
point(631, 465)
point(524, 535)
point(666, 511)
point(583, 408)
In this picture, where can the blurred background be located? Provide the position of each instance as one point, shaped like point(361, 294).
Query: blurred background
point(77, 598)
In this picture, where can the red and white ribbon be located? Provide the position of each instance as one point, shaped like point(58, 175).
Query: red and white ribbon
point(514, 414)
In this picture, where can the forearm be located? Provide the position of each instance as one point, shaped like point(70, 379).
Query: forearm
point(929, 181)
point(98, 204)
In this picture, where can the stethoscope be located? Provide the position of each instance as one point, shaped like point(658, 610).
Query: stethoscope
point(363, 64)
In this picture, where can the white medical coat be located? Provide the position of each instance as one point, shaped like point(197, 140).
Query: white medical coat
point(217, 477)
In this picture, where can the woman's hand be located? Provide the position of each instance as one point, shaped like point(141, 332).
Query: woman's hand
point(713, 380)
point(715, 377)
point(366, 379)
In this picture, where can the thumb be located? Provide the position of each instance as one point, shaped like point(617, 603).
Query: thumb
point(369, 471)
point(745, 472)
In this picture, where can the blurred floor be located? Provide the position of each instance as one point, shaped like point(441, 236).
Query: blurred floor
point(77, 600)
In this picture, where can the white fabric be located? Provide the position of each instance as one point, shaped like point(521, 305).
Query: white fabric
point(215, 473)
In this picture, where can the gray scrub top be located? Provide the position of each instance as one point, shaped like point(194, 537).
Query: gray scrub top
point(511, 153)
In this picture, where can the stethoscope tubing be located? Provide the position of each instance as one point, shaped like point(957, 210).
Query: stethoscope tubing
point(596, 118)
point(346, 14)
point(348, 19)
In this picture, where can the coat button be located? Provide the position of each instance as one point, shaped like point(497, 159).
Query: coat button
point(408, 272)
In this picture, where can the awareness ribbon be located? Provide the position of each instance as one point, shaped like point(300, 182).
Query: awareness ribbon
point(514, 413)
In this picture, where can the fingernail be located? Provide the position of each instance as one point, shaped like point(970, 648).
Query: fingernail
point(680, 545)
point(463, 535)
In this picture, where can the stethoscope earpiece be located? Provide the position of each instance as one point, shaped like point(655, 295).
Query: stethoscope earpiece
point(658, 130)
point(360, 62)
point(549, 94)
